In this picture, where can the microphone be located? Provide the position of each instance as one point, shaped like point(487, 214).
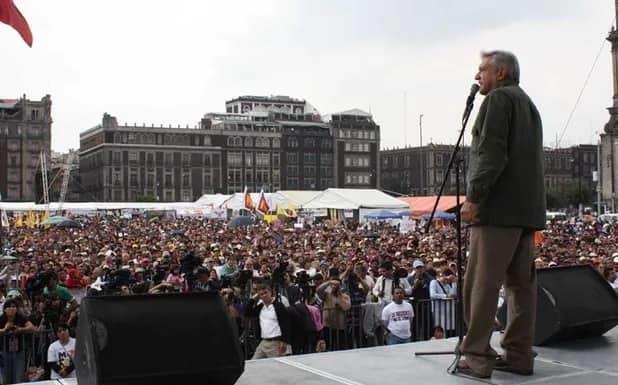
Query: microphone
point(473, 90)
point(470, 101)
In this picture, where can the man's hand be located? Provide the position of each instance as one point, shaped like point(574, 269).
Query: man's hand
point(282, 348)
point(469, 212)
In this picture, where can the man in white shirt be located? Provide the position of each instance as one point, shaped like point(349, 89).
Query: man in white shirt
point(397, 317)
point(274, 324)
point(386, 284)
point(60, 354)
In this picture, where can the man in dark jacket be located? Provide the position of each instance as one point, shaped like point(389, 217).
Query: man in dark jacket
point(505, 204)
point(274, 323)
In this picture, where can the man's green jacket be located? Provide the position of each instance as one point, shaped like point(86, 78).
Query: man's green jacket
point(505, 174)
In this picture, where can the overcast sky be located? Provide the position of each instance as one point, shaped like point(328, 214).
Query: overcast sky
point(169, 62)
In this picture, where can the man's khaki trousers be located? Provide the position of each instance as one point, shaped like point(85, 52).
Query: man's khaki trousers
point(499, 255)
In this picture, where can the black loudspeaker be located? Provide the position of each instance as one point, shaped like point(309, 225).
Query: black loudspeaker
point(573, 302)
point(155, 340)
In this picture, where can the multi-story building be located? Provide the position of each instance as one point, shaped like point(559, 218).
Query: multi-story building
point(308, 162)
point(266, 104)
point(132, 163)
point(250, 149)
point(419, 171)
point(356, 150)
point(25, 132)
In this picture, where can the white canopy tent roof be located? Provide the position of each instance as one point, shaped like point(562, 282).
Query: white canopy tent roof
point(213, 200)
point(353, 199)
point(237, 200)
point(297, 198)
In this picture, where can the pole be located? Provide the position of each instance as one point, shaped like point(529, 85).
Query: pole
point(421, 173)
point(405, 119)
point(599, 178)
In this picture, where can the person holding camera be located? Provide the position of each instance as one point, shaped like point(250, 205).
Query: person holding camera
point(335, 305)
point(274, 323)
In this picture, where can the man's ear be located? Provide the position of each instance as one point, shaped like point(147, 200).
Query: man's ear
point(501, 73)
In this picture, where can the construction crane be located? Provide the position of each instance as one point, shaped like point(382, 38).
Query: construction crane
point(65, 179)
point(43, 161)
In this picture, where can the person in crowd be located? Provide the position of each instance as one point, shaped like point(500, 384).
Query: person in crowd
point(387, 282)
point(12, 327)
point(506, 153)
point(437, 333)
point(61, 354)
point(274, 323)
point(335, 305)
point(443, 291)
point(64, 295)
point(420, 281)
point(397, 318)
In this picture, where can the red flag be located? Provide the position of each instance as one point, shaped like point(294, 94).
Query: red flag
point(248, 201)
point(9, 14)
point(263, 206)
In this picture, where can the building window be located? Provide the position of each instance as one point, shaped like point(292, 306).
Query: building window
point(276, 163)
point(186, 158)
point(327, 144)
point(262, 159)
point(276, 143)
point(309, 170)
point(292, 157)
point(186, 180)
point(309, 157)
point(207, 160)
point(234, 159)
point(168, 158)
point(292, 170)
point(132, 157)
point(249, 142)
point(309, 142)
point(292, 183)
point(326, 158)
point(309, 184)
point(248, 159)
point(292, 142)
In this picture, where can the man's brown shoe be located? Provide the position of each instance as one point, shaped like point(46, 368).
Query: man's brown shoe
point(465, 369)
point(504, 366)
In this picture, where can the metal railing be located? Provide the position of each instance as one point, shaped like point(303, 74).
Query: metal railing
point(20, 352)
point(363, 328)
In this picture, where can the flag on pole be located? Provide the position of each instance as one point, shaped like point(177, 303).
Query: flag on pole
point(9, 14)
point(249, 205)
point(19, 221)
point(30, 219)
point(263, 206)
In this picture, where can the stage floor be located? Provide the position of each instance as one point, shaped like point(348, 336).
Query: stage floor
point(591, 361)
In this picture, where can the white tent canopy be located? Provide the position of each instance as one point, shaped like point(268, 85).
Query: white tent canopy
point(237, 200)
point(212, 200)
point(297, 198)
point(353, 199)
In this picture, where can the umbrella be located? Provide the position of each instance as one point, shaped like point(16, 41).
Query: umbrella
point(441, 215)
point(383, 214)
point(240, 221)
point(54, 220)
point(69, 224)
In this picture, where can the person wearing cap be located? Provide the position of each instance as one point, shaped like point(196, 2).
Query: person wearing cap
point(420, 280)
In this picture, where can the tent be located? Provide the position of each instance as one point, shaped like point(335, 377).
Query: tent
point(212, 200)
point(382, 215)
point(441, 215)
point(354, 199)
point(423, 205)
point(237, 200)
point(297, 198)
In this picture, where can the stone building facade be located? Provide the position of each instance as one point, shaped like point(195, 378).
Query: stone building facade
point(25, 132)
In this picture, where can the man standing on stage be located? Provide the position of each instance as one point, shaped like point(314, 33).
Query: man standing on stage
point(505, 204)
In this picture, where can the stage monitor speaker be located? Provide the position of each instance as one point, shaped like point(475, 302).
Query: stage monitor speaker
point(573, 302)
point(155, 340)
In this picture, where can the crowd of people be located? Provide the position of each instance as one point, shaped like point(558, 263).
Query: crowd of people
point(324, 286)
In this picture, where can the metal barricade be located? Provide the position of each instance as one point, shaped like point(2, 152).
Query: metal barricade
point(21, 351)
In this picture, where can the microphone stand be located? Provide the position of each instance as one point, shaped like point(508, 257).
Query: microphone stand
point(456, 160)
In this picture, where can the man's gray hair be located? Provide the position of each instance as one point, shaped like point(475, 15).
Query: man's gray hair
point(505, 60)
